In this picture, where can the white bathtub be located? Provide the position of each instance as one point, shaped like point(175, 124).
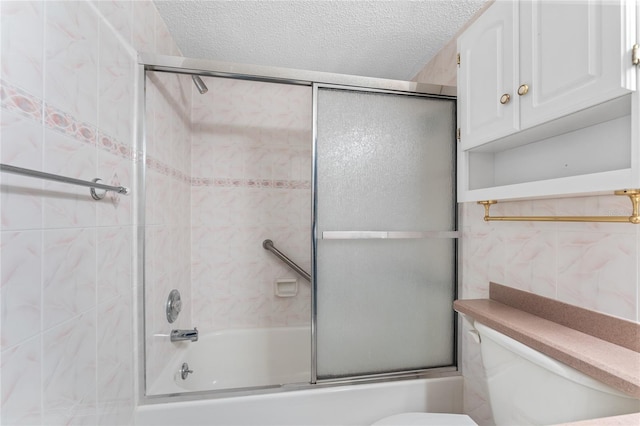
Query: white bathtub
point(345, 405)
point(239, 358)
point(227, 359)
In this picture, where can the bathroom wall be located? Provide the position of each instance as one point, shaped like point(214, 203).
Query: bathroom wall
point(591, 265)
point(442, 68)
point(251, 165)
point(167, 214)
point(67, 91)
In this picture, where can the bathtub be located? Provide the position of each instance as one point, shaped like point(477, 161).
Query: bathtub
point(239, 358)
point(324, 406)
point(285, 359)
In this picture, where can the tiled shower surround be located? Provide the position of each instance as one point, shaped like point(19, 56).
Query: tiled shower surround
point(167, 213)
point(251, 166)
point(225, 171)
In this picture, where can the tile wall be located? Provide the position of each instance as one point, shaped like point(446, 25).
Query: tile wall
point(251, 165)
point(591, 265)
point(167, 214)
point(225, 171)
point(67, 87)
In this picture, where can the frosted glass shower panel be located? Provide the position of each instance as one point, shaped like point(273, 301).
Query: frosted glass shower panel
point(384, 162)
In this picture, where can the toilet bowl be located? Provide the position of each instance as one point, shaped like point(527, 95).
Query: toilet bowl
point(426, 419)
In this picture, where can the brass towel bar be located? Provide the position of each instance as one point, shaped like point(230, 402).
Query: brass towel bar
point(633, 194)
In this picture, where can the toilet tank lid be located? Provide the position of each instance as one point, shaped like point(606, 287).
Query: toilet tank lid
point(543, 360)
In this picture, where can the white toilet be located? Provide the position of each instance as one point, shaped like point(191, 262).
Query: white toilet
point(527, 387)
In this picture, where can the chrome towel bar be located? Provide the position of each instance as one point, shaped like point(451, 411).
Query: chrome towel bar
point(48, 176)
point(268, 245)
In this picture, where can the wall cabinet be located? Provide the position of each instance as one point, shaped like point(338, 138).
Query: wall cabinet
point(487, 70)
point(544, 88)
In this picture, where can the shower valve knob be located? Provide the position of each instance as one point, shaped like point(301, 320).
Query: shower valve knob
point(173, 306)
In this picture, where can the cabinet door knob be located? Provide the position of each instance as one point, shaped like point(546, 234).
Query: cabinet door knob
point(523, 90)
point(504, 99)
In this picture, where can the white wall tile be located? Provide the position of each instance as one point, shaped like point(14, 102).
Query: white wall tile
point(115, 88)
point(119, 13)
point(21, 383)
point(21, 258)
point(22, 146)
point(114, 362)
point(69, 274)
point(114, 256)
point(22, 26)
point(596, 271)
point(144, 15)
point(71, 58)
point(115, 209)
point(69, 371)
point(72, 206)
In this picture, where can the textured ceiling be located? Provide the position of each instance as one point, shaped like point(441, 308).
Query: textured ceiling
point(387, 39)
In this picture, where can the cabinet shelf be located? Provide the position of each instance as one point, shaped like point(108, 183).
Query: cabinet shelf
point(589, 184)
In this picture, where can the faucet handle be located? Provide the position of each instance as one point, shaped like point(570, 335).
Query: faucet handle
point(185, 371)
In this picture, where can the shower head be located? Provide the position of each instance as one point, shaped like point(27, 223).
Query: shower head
point(202, 88)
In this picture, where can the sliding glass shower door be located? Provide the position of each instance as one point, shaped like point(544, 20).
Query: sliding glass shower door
point(385, 229)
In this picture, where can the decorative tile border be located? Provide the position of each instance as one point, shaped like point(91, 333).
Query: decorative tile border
point(222, 182)
point(17, 100)
point(111, 145)
point(165, 169)
point(65, 123)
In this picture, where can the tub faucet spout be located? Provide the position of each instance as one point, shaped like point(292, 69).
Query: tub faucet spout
point(180, 335)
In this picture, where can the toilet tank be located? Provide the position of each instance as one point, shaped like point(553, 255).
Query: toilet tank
point(527, 387)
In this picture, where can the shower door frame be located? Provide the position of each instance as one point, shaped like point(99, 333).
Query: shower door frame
point(398, 374)
point(314, 80)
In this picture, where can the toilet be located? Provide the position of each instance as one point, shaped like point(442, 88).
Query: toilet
point(527, 387)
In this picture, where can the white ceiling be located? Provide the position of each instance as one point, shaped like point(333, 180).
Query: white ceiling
point(386, 39)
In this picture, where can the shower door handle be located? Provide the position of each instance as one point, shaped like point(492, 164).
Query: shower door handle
point(388, 235)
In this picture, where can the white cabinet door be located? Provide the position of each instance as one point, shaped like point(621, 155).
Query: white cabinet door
point(573, 55)
point(488, 70)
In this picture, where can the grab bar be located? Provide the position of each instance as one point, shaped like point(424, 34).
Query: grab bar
point(48, 176)
point(268, 245)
